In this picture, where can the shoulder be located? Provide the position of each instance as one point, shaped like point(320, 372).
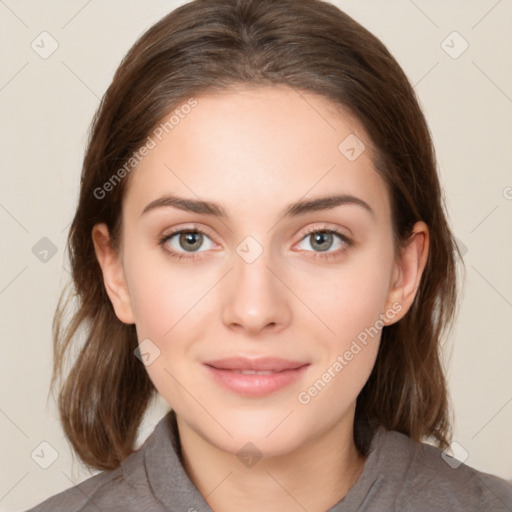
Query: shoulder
point(139, 483)
point(82, 496)
point(119, 489)
point(428, 479)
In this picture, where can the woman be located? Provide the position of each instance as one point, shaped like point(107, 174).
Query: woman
point(261, 239)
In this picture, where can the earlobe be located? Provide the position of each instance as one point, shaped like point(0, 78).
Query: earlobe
point(113, 273)
point(408, 270)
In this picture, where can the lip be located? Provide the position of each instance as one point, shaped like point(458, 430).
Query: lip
point(275, 364)
point(278, 373)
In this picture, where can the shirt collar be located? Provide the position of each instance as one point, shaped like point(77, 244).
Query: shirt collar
point(166, 474)
point(172, 486)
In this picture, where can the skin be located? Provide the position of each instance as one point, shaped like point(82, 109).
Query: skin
point(254, 151)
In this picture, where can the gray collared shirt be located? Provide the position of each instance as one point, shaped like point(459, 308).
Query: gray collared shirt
point(399, 475)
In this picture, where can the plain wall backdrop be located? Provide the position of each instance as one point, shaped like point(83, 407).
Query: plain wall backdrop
point(59, 57)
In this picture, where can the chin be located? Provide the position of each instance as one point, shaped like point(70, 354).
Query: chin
point(271, 433)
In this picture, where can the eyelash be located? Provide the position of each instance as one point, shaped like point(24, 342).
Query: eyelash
point(322, 255)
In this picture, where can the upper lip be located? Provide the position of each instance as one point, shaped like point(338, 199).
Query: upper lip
point(276, 364)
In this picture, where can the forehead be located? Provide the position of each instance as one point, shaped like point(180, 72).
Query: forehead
point(258, 146)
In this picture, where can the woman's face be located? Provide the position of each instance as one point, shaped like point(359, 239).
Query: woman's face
point(255, 283)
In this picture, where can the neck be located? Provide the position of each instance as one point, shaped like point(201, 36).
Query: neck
point(314, 477)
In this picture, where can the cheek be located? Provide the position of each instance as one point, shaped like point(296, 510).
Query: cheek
point(164, 294)
point(351, 303)
point(166, 301)
point(153, 302)
point(350, 298)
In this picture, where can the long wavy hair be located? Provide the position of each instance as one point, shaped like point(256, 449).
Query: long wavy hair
point(214, 45)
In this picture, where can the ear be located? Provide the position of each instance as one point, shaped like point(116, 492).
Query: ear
point(407, 271)
point(113, 274)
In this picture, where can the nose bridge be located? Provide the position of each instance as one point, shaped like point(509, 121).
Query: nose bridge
point(256, 298)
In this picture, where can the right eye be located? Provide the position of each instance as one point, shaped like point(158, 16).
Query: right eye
point(180, 242)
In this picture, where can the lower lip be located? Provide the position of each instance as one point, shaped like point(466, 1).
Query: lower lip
point(256, 384)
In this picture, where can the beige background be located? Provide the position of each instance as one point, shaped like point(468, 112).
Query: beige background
point(47, 105)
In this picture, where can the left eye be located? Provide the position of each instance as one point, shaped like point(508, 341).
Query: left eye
point(322, 240)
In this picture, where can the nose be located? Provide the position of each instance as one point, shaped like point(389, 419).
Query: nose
point(256, 298)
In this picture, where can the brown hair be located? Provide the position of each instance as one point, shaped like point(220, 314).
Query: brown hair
point(214, 45)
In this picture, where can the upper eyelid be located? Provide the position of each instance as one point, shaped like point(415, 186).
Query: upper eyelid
point(193, 228)
point(322, 228)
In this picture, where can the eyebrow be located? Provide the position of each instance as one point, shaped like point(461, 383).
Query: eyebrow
point(292, 210)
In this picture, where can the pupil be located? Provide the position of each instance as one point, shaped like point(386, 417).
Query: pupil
point(321, 238)
point(188, 238)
